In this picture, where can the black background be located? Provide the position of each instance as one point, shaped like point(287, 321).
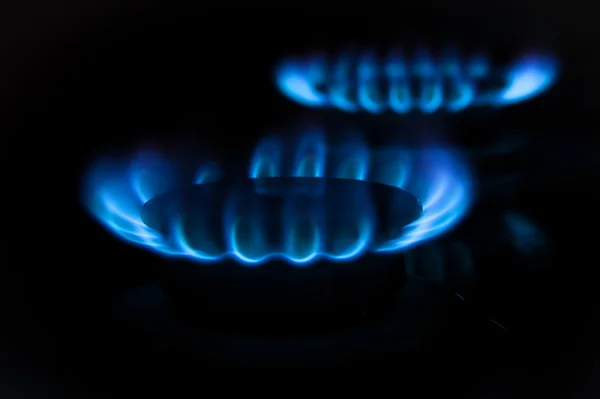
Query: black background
point(82, 79)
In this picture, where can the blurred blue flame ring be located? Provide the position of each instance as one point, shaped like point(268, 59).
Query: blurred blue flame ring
point(116, 192)
point(360, 81)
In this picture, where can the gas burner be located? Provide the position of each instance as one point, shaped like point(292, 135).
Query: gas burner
point(297, 219)
point(363, 81)
point(302, 201)
point(272, 222)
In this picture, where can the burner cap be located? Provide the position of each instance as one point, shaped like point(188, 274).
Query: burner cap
point(272, 215)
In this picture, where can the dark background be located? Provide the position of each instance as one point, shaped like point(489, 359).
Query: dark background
point(82, 79)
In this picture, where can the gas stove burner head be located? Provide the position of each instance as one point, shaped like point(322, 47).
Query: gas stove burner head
point(301, 201)
point(363, 81)
point(298, 219)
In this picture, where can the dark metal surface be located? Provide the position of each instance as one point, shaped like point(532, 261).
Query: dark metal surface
point(427, 318)
point(277, 297)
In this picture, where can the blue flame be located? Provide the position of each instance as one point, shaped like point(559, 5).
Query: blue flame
point(527, 78)
point(117, 191)
point(353, 82)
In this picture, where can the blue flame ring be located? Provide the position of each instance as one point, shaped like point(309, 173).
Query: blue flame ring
point(362, 82)
point(116, 192)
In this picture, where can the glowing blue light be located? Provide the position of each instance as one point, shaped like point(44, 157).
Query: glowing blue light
point(116, 192)
point(527, 78)
point(301, 79)
point(362, 82)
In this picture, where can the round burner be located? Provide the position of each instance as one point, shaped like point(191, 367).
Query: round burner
point(298, 219)
point(275, 220)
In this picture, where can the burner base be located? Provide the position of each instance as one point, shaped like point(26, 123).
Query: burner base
point(429, 324)
point(301, 219)
point(276, 298)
